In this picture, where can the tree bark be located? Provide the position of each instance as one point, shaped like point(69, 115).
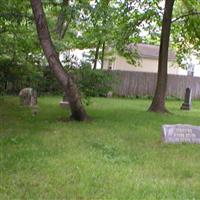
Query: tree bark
point(106, 4)
point(102, 56)
point(158, 103)
point(96, 55)
point(62, 24)
point(77, 110)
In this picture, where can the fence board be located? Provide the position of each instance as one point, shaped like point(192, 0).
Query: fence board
point(143, 84)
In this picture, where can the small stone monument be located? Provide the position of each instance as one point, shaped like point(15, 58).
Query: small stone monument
point(181, 133)
point(64, 103)
point(28, 97)
point(187, 105)
point(109, 94)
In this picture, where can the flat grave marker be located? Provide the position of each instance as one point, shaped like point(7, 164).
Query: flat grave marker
point(181, 133)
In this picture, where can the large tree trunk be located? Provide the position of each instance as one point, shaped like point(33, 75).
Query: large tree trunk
point(65, 79)
point(96, 55)
point(158, 103)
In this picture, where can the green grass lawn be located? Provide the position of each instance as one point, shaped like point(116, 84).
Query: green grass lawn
point(117, 155)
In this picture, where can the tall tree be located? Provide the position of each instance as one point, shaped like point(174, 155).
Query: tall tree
point(63, 20)
point(77, 110)
point(96, 55)
point(158, 103)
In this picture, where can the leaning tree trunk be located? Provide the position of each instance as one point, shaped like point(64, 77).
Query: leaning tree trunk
point(158, 103)
point(65, 79)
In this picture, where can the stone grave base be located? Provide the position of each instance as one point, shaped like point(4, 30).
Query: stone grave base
point(186, 106)
point(64, 104)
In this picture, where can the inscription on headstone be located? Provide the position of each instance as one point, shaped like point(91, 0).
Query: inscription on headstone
point(181, 133)
point(188, 100)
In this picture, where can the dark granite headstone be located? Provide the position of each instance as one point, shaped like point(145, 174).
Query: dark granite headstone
point(181, 133)
point(188, 100)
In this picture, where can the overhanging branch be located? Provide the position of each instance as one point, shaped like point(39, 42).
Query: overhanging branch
point(186, 15)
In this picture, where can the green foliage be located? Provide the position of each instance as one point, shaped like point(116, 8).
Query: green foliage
point(21, 57)
point(185, 29)
point(93, 83)
point(15, 76)
point(17, 31)
point(132, 18)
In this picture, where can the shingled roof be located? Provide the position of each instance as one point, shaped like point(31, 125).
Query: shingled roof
point(150, 51)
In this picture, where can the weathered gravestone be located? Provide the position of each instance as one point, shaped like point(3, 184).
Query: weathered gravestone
point(64, 103)
point(28, 97)
point(181, 133)
point(109, 94)
point(188, 100)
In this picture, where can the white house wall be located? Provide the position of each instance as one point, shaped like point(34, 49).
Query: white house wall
point(146, 65)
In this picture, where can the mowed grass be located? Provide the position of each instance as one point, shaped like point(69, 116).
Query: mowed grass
point(117, 155)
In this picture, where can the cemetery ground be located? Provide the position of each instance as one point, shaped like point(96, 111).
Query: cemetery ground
point(117, 155)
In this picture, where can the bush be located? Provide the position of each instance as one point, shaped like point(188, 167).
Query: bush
point(93, 83)
point(14, 77)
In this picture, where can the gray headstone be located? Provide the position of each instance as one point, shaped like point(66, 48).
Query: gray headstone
point(109, 94)
point(28, 97)
point(187, 105)
point(181, 133)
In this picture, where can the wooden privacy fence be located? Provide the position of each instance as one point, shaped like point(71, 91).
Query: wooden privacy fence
point(143, 84)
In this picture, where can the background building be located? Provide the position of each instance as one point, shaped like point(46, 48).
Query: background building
point(148, 59)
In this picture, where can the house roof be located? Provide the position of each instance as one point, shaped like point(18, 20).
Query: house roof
point(150, 51)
